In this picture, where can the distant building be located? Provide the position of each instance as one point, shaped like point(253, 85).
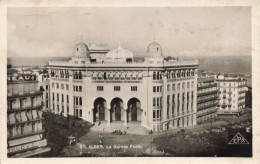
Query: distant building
point(207, 100)
point(24, 116)
point(232, 92)
point(103, 86)
point(44, 85)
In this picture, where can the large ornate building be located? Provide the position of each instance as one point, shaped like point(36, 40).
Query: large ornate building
point(24, 116)
point(102, 86)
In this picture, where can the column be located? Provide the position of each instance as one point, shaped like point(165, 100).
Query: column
point(175, 123)
point(108, 113)
point(125, 119)
point(185, 121)
point(181, 122)
point(92, 115)
point(194, 121)
point(190, 120)
point(108, 116)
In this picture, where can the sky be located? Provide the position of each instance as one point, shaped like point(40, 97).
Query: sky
point(181, 31)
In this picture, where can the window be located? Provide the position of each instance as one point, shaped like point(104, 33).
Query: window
point(168, 87)
point(173, 87)
point(47, 87)
point(68, 110)
point(100, 88)
point(57, 97)
point(192, 84)
point(183, 85)
point(80, 113)
point(154, 75)
point(158, 101)
point(62, 86)
point(80, 100)
point(154, 89)
point(62, 98)
point(52, 95)
point(67, 98)
point(67, 86)
point(179, 85)
point(188, 85)
point(133, 88)
point(80, 88)
point(52, 85)
point(57, 85)
point(158, 89)
point(116, 88)
point(154, 102)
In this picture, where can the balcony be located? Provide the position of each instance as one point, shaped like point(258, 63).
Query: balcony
point(24, 122)
point(223, 106)
point(208, 86)
point(25, 108)
point(207, 93)
point(156, 119)
point(241, 98)
point(240, 92)
point(207, 106)
point(37, 93)
point(25, 135)
point(207, 99)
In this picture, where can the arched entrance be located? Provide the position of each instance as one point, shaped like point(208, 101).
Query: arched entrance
point(99, 109)
point(116, 108)
point(134, 110)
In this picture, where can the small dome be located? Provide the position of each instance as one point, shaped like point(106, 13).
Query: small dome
point(154, 49)
point(81, 50)
point(119, 53)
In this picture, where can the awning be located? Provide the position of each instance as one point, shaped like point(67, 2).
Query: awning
point(23, 116)
point(34, 113)
point(11, 118)
point(29, 115)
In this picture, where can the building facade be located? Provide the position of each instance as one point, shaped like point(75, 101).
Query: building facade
point(24, 116)
point(102, 86)
point(232, 92)
point(207, 100)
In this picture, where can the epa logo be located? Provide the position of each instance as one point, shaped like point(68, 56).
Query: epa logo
point(238, 139)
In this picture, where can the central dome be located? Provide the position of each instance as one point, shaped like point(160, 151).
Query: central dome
point(119, 54)
point(154, 50)
point(81, 50)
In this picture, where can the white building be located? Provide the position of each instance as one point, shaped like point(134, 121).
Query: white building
point(232, 92)
point(104, 86)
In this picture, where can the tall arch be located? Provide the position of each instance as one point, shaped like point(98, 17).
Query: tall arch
point(116, 109)
point(99, 109)
point(134, 110)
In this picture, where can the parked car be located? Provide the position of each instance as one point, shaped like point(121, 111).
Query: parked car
point(117, 132)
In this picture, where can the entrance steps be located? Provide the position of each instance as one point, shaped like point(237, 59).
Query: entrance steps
point(133, 127)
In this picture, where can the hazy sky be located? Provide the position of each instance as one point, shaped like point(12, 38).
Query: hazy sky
point(222, 31)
